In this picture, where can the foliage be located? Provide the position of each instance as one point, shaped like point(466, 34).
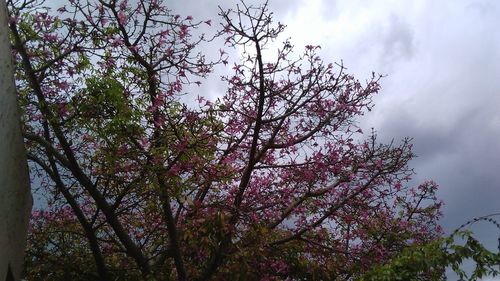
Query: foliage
point(273, 181)
point(422, 262)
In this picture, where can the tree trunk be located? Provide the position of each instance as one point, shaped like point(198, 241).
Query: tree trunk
point(15, 197)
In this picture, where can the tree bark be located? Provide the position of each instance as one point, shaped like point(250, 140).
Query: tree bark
point(15, 196)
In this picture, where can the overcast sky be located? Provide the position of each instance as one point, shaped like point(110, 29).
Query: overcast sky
point(442, 61)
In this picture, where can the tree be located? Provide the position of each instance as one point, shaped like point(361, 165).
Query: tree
point(419, 262)
point(272, 181)
point(15, 197)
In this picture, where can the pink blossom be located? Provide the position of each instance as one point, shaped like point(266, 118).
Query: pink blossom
point(122, 17)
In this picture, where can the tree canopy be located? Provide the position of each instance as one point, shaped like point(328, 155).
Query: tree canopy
point(272, 181)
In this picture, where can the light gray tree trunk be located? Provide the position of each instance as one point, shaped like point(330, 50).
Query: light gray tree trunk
point(15, 196)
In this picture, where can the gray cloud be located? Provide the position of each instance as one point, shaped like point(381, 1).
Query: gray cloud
point(446, 97)
point(398, 40)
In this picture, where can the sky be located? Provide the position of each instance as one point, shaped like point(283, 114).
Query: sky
point(442, 86)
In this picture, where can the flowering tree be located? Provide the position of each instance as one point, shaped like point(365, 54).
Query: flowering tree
point(272, 181)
